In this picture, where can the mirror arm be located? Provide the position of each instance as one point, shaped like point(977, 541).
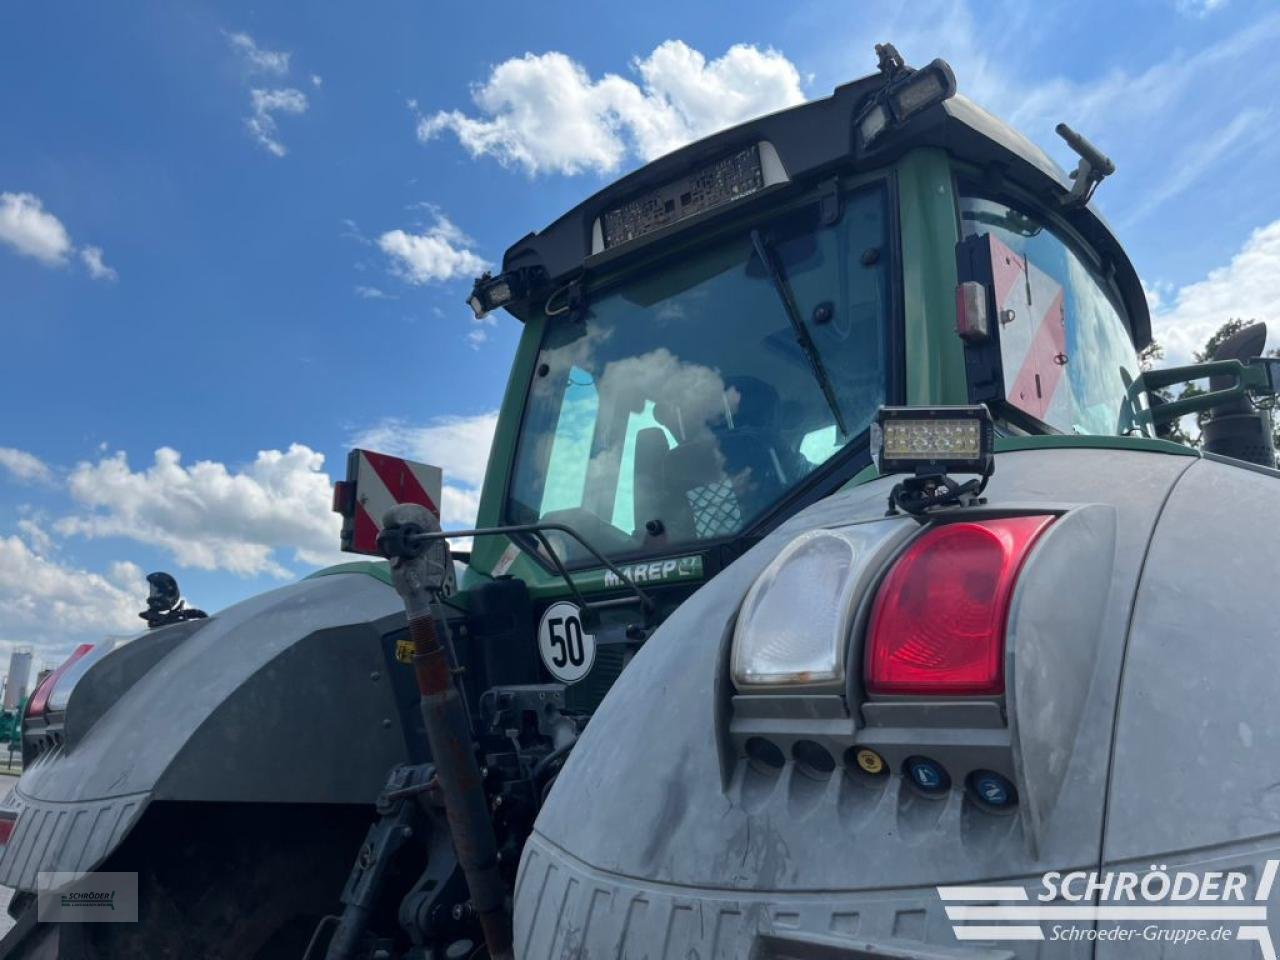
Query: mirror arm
point(1249, 377)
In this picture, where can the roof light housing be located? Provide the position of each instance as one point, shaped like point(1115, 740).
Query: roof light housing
point(903, 98)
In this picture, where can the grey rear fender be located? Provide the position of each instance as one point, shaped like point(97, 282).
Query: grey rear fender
point(285, 697)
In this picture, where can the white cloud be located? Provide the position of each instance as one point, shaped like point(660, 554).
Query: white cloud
point(477, 336)
point(458, 445)
point(1199, 8)
point(1248, 288)
point(208, 516)
point(27, 227)
point(265, 104)
point(43, 599)
point(37, 537)
point(92, 257)
point(372, 293)
point(30, 229)
point(25, 467)
point(1197, 158)
point(544, 113)
point(317, 80)
point(440, 252)
point(275, 62)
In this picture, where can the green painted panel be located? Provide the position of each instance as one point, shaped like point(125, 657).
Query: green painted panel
point(927, 216)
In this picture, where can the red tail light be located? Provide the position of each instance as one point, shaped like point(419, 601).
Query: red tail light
point(7, 823)
point(938, 622)
point(40, 699)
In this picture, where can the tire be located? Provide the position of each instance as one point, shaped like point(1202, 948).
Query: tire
point(230, 881)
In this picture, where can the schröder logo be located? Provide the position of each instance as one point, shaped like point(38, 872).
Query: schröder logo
point(1158, 905)
point(90, 898)
point(96, 897)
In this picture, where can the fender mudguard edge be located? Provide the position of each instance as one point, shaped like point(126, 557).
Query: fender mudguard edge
point(265, 704)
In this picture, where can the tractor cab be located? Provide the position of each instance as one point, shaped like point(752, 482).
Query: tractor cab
point(707, 341)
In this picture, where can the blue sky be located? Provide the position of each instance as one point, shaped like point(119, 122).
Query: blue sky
point(227, 231)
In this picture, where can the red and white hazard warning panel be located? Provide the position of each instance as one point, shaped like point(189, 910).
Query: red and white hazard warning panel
point(375, 483)
point(1033, 335)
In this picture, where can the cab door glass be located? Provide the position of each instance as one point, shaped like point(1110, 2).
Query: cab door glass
point(1065, 348)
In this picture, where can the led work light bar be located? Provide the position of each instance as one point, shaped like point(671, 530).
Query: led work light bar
point(934, 440)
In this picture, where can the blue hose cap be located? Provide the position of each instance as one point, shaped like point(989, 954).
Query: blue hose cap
point(993, 789)
point(928, 775)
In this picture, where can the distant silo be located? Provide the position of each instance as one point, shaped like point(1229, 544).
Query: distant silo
point(15, 686)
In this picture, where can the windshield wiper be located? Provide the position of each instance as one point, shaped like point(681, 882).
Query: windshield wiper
point(779, 279)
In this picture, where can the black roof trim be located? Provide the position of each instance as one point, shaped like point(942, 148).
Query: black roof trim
point(814, 138)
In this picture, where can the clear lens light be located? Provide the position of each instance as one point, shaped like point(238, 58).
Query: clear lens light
point(874, 124)
point(795, 622)
point(932, 439)
point(498, 293)
point(922, 90)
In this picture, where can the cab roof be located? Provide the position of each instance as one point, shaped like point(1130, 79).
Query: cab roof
point(816, 140)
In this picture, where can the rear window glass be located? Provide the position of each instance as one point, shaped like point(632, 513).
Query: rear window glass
point(1065, 348)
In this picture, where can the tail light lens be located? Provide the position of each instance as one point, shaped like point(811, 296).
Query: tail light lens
point(938, 622)
point(40, 699)
point(7, 822)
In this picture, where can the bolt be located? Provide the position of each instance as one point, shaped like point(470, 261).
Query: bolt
point(386, 723)
point(375, 676)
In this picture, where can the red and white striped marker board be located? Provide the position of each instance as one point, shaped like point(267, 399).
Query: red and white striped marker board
point(375, 483)
point(1033, 335)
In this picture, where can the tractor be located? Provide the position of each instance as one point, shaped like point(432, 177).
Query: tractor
point(829, 551)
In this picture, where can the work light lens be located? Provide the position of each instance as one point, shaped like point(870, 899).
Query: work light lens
point(922, 90)
point(932, 439)
point(498, 293)
point(873, 124)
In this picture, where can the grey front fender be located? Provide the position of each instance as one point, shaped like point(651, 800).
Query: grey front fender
point(284, 697)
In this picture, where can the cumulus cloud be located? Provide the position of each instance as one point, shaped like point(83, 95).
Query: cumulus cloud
point(544, 113)
point(41, 598)
point(440, 252)
point(92, 257)
point(1248, 288)
point(458, 445)
point(24, 467)
point(36, 536)
point(208, 516)
point(31, 230)
point(257, 59)
point(265, 104)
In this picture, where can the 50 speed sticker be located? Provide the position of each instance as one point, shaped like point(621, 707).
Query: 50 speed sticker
point(568, 651)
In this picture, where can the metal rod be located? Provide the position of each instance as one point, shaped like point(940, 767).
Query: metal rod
point(645, 602)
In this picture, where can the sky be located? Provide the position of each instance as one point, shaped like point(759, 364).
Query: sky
point(236, 240)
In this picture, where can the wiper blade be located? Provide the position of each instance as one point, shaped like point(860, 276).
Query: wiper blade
point(779, 279)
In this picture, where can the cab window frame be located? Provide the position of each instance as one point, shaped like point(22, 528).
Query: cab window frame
point(824, 477)
point(971, 183)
